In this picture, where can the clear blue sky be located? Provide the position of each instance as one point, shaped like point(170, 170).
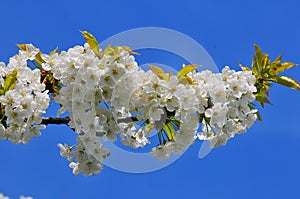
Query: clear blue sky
point(263, 163)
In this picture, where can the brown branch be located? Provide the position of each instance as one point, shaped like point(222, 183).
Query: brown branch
point(50, 120)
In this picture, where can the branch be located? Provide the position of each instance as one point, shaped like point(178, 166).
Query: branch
point(50, 120)
point(127, 120)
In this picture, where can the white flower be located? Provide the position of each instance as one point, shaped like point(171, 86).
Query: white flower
point(217, 114)
point(74, 166)
point(26, 102)
point(90, 167)
point(155, 114)
point(49, 61)
point(30, 52)
point(162, 152)
point(65, 151)
point(219, 140)
point(136, 140)
point(237, 88)
point(216, 89)
point(171, 87)
point(226, 73)
point(186, 97)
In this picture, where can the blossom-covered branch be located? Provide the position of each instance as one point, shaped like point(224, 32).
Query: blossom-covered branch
point(108, 96)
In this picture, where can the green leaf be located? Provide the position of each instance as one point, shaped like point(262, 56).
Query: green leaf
point(1, 90)
point(284, 66)
point(53, 51)
point(287, 81)
point(10, 81)
point(258, 53)
point(39, 59)
point(109, 51)
point(91, 40)
point(170, 131)
point(177, 123)
point(186, 80)
point(182, 74)
point(159, 72)
point(265, 62)
point(185, 70)
point(129, 50)
point(262, 100)
point(260, 61)
point(22, 46)
point(259, 116)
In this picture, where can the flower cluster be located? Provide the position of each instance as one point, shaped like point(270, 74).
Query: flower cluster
point(88, 163)
point(23, 98)
point(219, 102)
point(231, 94)
point(111, 95)
point(108, 96)
point(87, 82)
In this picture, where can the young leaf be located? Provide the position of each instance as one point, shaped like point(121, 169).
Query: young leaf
point(53, 51)
point(39, 59)
point(287, 81)
point(1, 90)
point(262, 100)
point(177, 123)
point(109, 51)
point(130, 50)
point(186, 80)
point(10, 81)
point(170, 131)
point(22, 46)
point(185, 70)
point(258, 53)
point(159, 72)
point(284, 66)
point(259, 116)
point(91, 40)
point(265, 61)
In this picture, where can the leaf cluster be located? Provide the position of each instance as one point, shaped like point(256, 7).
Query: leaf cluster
point(267, 72)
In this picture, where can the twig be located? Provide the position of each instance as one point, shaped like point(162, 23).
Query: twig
point(50, 120)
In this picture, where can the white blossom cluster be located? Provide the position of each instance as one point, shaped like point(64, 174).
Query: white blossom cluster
point(22, 107)
point(89, 163)
point(107, 95)
point(231, 93)
point(87, 82)
point(21, 197)
point(220, 102)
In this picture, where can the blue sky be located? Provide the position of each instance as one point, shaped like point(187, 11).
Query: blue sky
point(263, 163)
